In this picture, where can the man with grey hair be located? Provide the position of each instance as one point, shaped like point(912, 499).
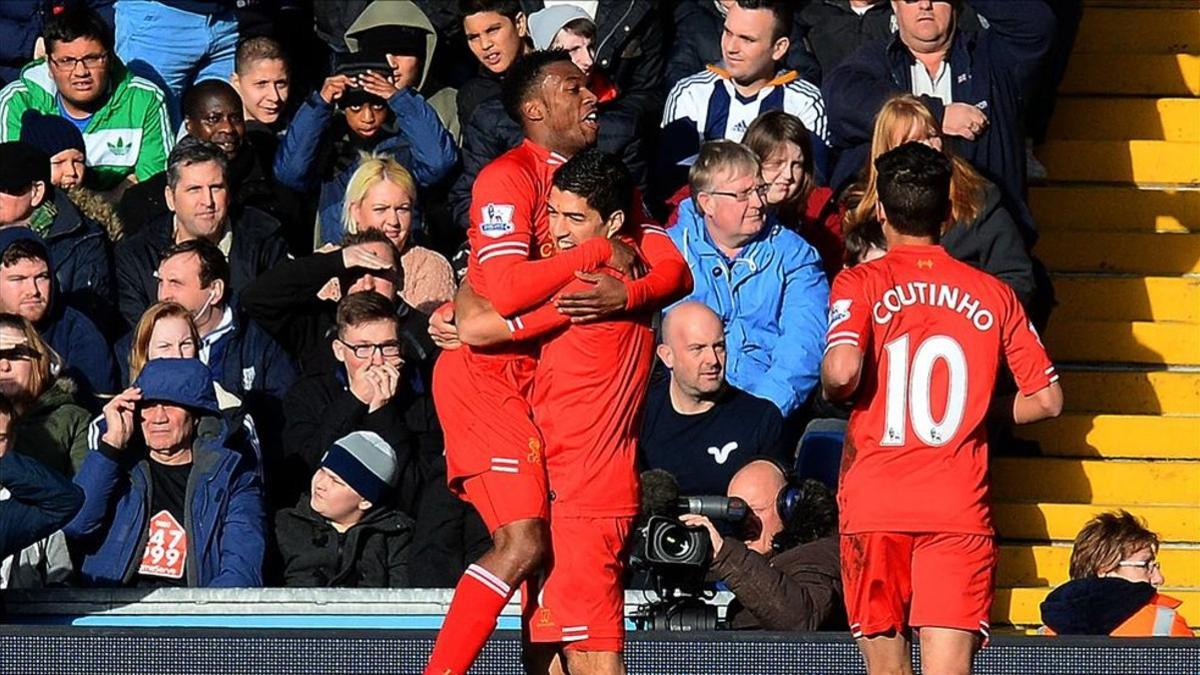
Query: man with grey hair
point(197, 195)
point(763, 280)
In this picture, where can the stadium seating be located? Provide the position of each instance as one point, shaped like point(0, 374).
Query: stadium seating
point(1120, 223)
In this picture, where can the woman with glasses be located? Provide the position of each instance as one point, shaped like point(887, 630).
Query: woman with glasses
point(50, 425)
point(382, 195)
point(1115, 577)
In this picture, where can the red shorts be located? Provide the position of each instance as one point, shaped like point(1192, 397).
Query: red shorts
point(894, 581)
point(579, 598)
point(489, 431)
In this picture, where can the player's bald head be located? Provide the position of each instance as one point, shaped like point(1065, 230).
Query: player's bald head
point(690, 320)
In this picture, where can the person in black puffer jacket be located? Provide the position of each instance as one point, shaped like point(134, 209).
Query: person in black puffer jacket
point(344, 534)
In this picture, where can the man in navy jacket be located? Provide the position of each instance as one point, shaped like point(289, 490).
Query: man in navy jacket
point(980, 87)
point(167, 503)
point(28, 287)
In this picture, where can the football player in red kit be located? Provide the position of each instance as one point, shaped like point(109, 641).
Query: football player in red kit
point(915, 338)
point(495, 452)
point(588, 397)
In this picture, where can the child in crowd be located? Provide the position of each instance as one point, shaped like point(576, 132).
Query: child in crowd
point(345, 533)
point(360, 109)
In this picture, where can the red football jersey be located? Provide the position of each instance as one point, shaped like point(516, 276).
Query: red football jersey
point(932, 331)
point(513, 262)
point(587, 399)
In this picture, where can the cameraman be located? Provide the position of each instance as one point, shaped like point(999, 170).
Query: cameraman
point(784, 571)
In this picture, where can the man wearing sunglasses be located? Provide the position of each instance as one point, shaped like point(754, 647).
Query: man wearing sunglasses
point(763, 280)
point(123, 118)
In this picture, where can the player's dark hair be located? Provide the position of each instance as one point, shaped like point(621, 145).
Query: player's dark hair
point(600, 178)
point(781, 9)
point(76, 21)
point(525, 76)
point(914, 188)
point(507, 8)
point(815, 515)
point(213, 265)
point(364, 307)
point(198, 93)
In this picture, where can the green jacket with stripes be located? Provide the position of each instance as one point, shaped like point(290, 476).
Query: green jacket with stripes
point(129, 135)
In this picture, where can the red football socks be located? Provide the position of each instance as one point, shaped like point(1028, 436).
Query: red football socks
point(478, 600)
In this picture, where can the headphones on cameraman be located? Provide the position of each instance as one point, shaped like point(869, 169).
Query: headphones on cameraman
point(788, 499)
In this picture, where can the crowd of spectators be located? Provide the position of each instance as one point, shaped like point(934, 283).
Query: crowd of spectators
point(225, 227)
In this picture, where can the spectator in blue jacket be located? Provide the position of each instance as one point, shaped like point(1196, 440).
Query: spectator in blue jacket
point(763, 280)
point(77, 244)
point(40, 500)
point(360, 110)
point(975, 82)
point(28, 288)
point(187, 512)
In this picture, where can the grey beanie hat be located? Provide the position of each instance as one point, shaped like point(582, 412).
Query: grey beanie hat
point(365, 461)
point(544, 24)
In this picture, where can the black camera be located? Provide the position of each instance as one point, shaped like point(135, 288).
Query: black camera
point(666, 541)
point(672, 558)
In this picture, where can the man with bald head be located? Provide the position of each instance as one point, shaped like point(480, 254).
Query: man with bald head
point(213, 112)
point(783, 565)
point(698, 426)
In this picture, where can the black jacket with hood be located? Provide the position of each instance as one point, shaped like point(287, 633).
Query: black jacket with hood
point(257, 246)
point(372, 554)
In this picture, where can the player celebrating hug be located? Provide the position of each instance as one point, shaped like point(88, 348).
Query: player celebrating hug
point(915, 338)
point(588, 396)
point(495, 453)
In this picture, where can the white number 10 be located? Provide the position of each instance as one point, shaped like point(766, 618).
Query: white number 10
point(909, 393)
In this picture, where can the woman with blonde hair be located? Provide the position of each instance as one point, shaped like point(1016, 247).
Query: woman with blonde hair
point(981, 233)
point(50, 426)
point(382, 196)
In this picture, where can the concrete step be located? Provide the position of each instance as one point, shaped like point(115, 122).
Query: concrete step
point(1025, 565)
point(1143, 162)
point(1021, 606)
point(1117, 436)
point(1126, 119)
point(1059, 522)
point(1133, 74)
point(1124, 341)
point(1085, 481)
point(1127, 298)
point(1132, 253)
point(1131, 392)
point(1115, 208)
point(1142, 31)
